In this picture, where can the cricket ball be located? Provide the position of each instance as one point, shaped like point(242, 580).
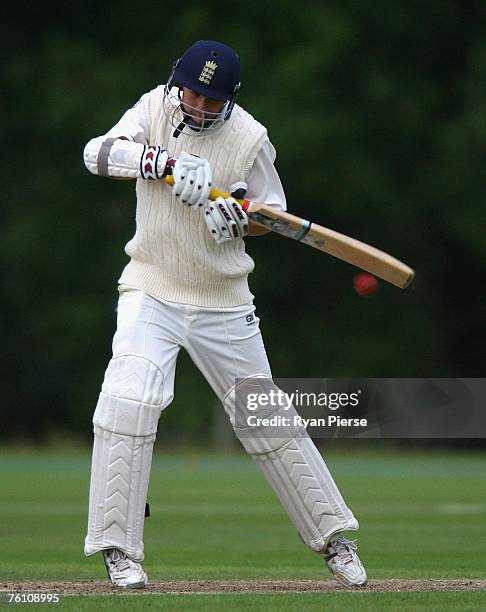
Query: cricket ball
point(365, 284)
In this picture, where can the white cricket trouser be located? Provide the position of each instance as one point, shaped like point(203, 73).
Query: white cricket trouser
point(225, 344)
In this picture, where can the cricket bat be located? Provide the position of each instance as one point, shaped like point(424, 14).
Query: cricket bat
point(333, 243)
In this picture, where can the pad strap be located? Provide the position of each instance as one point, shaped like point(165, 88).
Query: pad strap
point(103, 155)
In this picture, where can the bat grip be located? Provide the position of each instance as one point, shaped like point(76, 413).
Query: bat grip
point(213, 194)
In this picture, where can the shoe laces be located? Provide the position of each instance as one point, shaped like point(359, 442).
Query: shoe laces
point(118, 560)
point(342, 547)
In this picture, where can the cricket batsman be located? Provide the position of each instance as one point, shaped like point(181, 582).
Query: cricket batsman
point(186, 285)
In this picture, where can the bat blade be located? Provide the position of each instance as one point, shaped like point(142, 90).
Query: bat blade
point(338, 245)
point(333, 243)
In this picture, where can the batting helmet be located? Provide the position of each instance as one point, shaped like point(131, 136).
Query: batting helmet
point(210, 69)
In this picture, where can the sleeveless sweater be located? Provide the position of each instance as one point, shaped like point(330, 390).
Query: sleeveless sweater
point(173, 255)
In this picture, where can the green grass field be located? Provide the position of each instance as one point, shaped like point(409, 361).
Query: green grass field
point(213, 517)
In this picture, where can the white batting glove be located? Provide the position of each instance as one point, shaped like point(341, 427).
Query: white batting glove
point(192, 179)
point(226, 220)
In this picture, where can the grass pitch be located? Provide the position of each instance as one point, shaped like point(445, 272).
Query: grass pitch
point(215, 521)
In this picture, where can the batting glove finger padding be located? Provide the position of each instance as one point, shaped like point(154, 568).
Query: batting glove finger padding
point(226, 220)
point(192, 179)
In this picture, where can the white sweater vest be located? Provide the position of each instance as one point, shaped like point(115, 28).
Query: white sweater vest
point(173, 255)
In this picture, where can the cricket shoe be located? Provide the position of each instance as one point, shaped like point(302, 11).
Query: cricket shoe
point(122, 571)
point(343, 562)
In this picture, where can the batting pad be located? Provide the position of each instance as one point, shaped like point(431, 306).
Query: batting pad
point(297, 473)
point(299, 476)
point(125, 423)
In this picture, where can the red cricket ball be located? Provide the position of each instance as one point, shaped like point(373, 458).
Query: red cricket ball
point(365, 284)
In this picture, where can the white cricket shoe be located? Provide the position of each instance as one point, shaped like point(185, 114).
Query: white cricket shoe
point(343, 561)
point(122, 571)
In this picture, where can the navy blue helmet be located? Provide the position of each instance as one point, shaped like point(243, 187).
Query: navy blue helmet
point(211, 69)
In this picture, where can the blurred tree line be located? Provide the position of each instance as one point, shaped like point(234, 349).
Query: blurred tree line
point(377, 110)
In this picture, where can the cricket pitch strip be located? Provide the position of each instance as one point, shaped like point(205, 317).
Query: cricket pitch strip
point(243, 586)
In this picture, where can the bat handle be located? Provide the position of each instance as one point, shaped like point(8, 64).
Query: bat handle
point(214, 193)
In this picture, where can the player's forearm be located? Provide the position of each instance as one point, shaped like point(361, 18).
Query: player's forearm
point(256, 230)
point(123, 159)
